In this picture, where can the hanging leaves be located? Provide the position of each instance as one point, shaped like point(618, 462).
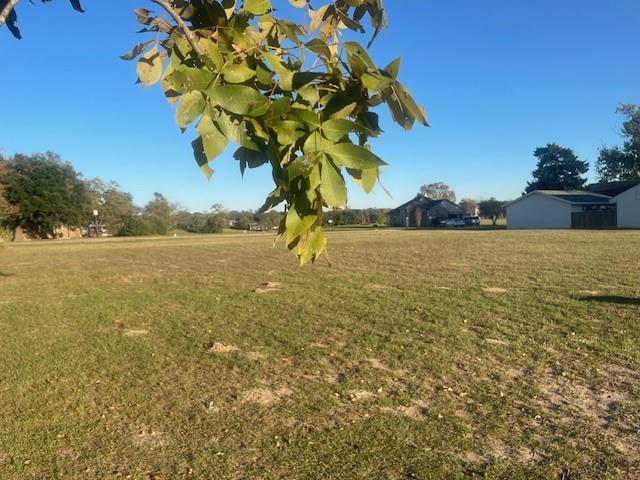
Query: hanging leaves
point(295, 97)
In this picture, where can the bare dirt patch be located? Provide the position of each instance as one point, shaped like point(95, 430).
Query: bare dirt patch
point(219, 347)
point(265, 396)
point(130, 332)
point(378, 365)
point(151, 438)
point(561, 392)
point(360, 395)
point(494, 290)
point(268, 287)
point(496, 341)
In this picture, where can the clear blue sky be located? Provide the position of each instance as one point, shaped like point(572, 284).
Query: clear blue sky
point(498, 79)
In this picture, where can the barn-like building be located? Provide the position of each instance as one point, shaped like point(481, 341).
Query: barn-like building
point(604, 205)
point(424, 212)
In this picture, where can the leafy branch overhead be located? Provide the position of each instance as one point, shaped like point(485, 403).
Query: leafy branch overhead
point(295, 97)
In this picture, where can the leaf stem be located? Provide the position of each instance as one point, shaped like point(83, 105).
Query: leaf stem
point(188, 33)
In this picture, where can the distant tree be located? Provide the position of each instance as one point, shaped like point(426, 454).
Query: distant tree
point(492, 209)
point(468, 205)
point(159, 214)
point(623, 163)
point(558, 168)
point(114, 206)
point(438, 191)
point(47, 192)
point(8, 212)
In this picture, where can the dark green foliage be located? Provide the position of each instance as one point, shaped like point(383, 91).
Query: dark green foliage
point(368, 216)
point(158, 215)
point(558, 169)
point(47, 192)
point(492, 209)
point(135, 226)
point(8, 212)
point(623, 163)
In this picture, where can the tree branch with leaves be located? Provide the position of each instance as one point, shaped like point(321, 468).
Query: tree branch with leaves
point(297, 98)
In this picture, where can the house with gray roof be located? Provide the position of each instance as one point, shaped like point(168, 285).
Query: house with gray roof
point(422, 211)
point(604, 205)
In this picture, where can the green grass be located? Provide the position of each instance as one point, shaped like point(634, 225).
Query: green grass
point(419, 354)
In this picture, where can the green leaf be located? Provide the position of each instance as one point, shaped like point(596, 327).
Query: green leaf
point(366, 178)
point(191, 106)
point(297, 225)
point(150, 67)
point(137, 50)
point(239, 99)
point(213, 141)
point(288, 131)
point(238, 73)
point(316, 143)
point(375, 82)
point(257, 7)
point(410, 104)
point(353, 156)
point(319, 47)
point(393, 68)
point(201, 158)
point(250, 158)
point(333, 188)
point(336, 129)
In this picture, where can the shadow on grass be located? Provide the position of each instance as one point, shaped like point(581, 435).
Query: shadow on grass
point(4, 274)
point(612, 299)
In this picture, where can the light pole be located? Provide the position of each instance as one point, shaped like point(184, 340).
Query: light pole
point(95, 222)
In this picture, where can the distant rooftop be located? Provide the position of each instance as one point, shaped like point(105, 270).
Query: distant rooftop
point(576, 196)
point(613, 189)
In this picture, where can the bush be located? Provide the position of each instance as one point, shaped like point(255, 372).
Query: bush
point(6, 234)
point(135, 227)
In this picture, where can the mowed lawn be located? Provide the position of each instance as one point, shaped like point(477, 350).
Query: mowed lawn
point(416, 355)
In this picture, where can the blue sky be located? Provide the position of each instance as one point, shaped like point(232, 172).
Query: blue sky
point(497, 77)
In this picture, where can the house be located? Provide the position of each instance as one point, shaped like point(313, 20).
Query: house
point(611, 205)
point(63, 231)
point(424, 212)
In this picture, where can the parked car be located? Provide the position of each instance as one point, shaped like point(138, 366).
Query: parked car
point(453, 222)
point(472, 221)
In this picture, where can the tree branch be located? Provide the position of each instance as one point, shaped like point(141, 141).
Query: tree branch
point(191, 37)
point(7, 10)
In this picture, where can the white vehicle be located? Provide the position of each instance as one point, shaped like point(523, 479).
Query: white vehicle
point(453, 222)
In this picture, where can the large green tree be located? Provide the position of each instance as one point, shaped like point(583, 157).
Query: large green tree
point(47, 192)
point(492, 209)
point(159, 214)
point(623, 163)
point(114, 206)
point(298, 98)
point(558, 168)
point(438, 191)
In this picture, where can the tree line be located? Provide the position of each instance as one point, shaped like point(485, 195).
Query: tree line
point(42, 192)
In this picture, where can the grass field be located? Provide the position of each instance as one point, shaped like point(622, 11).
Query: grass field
point(417, 355)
